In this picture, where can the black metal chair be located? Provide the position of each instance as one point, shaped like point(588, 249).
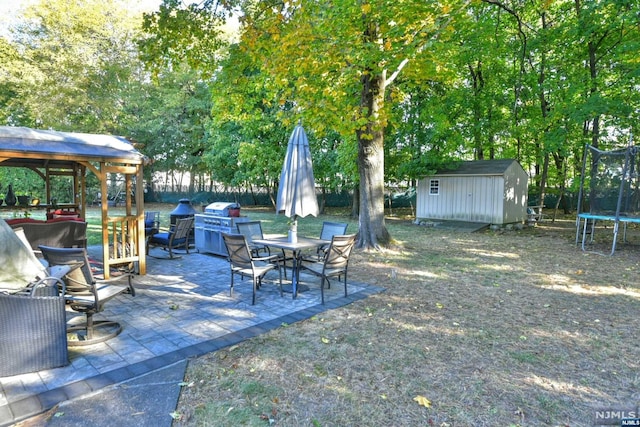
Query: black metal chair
point(242, 262)
point(329, 229)
point(88, 295)
point(177, 237)
point(252, 230)
point(334, 263)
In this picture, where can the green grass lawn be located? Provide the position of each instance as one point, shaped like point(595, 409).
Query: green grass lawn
point(271, 223)
point(495, 328)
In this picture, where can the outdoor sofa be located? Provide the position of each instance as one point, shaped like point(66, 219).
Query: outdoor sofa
point(57, 232)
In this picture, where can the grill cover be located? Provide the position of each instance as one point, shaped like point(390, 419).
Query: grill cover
point(223, 209)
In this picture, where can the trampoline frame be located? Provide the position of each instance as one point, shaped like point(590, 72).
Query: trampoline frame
point(583, 219)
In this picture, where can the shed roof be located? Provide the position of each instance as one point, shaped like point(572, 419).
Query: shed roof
point(34, 146)
point(480, 168)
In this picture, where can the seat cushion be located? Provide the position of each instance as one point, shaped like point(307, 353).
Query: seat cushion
point(163, 239)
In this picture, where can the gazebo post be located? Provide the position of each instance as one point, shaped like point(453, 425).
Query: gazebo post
point(139, 194)
point(127, 232)
point(82, 205)
point(104, 209)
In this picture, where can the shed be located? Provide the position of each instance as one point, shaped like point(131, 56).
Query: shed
point(484, 191)
point(52, 153)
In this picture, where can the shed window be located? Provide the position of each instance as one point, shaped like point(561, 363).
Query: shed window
point(434, 187)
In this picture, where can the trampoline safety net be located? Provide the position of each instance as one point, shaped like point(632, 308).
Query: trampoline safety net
point(609, 190)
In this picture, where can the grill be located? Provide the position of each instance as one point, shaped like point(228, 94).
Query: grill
point(217, 218)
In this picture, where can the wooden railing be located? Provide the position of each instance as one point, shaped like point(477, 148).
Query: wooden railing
point(123, 247)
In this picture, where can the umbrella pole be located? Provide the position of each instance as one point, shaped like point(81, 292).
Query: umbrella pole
point(293, 230)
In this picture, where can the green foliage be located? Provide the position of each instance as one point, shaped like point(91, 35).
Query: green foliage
point(179, 34)
point(26, 182)
point(74, 58)
point(248, 138)
point(169, 118)
point(463, 80)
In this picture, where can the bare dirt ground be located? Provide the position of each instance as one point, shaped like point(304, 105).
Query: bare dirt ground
point(496, 328)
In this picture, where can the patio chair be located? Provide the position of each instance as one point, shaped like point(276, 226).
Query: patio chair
point(88, 295)
point(252, 230)
point(151, 223)
point(334, 263)
point(177, 237)
point(242, 262)
point(33, 334)
point(329, 229)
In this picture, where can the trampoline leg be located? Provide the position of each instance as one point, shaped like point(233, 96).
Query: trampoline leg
point(593, 231)
point(578, 223)
point(616, 225)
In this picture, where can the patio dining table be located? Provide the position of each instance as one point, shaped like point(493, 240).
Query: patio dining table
point(296, 248)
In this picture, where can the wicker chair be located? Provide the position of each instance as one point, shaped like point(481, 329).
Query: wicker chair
point(32, 308)
point(33, 333)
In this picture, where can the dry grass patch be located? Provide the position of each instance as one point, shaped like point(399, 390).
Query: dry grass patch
point(492, 328)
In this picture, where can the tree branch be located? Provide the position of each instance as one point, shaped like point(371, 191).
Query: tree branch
point(420, 48)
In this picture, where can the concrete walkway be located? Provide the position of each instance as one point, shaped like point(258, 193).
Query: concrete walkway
point(182, 309)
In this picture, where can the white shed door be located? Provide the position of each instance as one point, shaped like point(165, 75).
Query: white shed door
point(472, 199)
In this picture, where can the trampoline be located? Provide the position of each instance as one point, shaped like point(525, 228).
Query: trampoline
point(611, 189)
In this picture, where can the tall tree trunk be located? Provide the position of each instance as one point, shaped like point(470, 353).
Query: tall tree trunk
point(595, 130)
point(355, 202)
point(543, 179)
point(192, 182)
point(545, 108)
point(478, 86)
point(373, 231)
point(561, 167)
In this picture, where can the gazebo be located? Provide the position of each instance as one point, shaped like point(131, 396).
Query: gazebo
point(51, 153)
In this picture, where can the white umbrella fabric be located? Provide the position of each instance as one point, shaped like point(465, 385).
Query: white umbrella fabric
point(297, 189)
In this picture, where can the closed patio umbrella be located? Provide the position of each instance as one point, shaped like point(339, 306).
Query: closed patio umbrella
point(297, 190)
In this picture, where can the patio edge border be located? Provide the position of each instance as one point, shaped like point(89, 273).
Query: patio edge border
point(36, 404)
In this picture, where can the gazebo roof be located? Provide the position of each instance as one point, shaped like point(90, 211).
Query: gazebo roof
point(51, 153)
point(33, 146)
